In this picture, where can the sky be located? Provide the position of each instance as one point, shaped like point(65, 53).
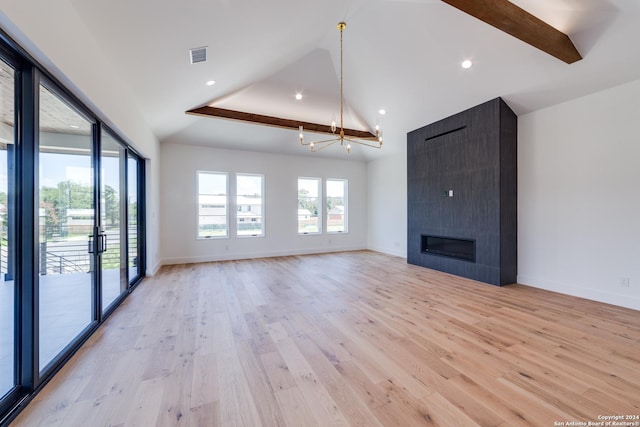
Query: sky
point(216, 183)
point(55, 168)
point(334, 187)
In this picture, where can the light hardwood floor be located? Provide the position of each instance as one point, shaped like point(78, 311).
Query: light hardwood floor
point(348, 339)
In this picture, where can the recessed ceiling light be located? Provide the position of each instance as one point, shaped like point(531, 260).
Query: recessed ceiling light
point(382, 111)
point(298, 96)
point(211, 82)
point(466, 64)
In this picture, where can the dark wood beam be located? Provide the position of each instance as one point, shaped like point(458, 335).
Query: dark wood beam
point(513, 20)
point(223, 113)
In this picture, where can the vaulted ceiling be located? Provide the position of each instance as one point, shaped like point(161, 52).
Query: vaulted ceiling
point(400, 55)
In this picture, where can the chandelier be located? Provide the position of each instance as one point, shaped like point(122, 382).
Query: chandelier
point(375, 141)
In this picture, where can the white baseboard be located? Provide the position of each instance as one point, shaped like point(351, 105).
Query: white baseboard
point(389, 251)
point(268, 254)
point(153, 270)
point(587, 293)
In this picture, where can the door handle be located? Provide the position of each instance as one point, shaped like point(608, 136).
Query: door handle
point(103, 242)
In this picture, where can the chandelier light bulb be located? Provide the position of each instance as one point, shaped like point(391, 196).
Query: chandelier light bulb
point(311, 145)
point(348, 148)
point(333, 126)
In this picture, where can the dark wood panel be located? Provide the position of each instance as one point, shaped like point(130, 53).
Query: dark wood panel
point(513, 20)
point(471, 154)
point(280, 122)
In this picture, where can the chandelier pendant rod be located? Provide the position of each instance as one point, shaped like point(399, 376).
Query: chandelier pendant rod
point(319, 145)
point(341, 26)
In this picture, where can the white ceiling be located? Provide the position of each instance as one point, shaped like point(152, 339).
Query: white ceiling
point(400, 55)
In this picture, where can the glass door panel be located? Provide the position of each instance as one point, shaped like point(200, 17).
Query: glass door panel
point(132, 218)
point(66, 223)
point(114, 273)
point(7, 231)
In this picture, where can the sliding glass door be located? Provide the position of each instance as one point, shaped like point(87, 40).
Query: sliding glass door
point(7, 231)
point(66, 223)
point(112, 220)
point(71, 225)
point(134, 259)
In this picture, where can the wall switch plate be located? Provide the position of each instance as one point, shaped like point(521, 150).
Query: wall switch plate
point(450, 193)
point(625, 282)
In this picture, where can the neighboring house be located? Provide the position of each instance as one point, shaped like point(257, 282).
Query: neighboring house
point(79, 221)
point(249, 209)
point(212, 209)
point(336, 213)
point(304, 214)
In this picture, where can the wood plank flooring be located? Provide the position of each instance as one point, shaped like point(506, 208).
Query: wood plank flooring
point(346, 339)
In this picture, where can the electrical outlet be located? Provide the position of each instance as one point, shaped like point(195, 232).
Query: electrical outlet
point(625, 282)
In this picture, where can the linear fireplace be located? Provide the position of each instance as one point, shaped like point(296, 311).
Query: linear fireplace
point(463, 249)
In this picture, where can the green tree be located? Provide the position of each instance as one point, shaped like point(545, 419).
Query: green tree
point(66, 195)
point(112, 205)
point(306, 202)
point(334, 201)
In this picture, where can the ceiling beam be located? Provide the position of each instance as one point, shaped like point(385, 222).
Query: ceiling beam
point(223, 113)
point(516, 21)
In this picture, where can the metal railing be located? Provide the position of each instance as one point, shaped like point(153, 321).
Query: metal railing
point(61, 253)
point(58, 264)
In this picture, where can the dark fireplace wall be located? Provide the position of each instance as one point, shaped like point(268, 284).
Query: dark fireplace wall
point(462, 184)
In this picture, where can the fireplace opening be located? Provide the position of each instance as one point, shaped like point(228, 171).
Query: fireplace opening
point(463, 249)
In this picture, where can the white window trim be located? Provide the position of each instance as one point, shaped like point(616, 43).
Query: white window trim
point(198, 237)
point(346, 206)
point(235, 209)
point(321, 214)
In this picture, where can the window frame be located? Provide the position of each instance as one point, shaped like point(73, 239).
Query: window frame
point(320, 208)
point(198, 204)
point(345, 204)
point(251, 218)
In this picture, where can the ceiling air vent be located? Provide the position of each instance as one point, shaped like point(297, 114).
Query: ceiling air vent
point(198, 54)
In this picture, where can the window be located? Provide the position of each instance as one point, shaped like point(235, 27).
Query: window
point(249, 202)
point(309, 206)
point(212, 205)
point(336, 205)
point(8, 332)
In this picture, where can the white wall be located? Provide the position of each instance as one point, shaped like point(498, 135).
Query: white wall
point(579, 197)
point(179, 165)
point(53, 33)
point(387, 180)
